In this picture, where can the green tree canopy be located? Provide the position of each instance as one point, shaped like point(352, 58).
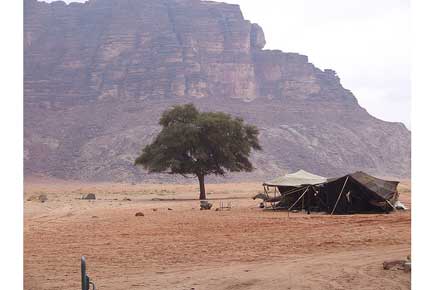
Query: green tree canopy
point(200, 143)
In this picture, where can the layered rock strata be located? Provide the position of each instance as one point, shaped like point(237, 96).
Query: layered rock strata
point(98, 74)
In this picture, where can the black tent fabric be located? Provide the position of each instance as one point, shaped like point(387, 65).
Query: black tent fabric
point(359, 192)
point(294, 186)
point(297, 198)
point(383, 188)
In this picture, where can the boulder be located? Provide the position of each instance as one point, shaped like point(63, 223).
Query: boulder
point(205, 205)
point(399, 264)
point(89, 196)
point(139, 214)
point(42, 198)
point(407, 267)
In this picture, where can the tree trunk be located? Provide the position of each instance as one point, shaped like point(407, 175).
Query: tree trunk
point(202, 186)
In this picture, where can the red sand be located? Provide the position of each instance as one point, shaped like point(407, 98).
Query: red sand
point(184, 248)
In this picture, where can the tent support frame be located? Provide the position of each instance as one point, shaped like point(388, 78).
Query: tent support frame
point(290, 208)
point(392, 206)
point(339, 197)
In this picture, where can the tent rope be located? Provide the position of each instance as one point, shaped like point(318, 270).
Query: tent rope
point(392, 206)
point(288, 211)
point(289, 192)
point(339, 197)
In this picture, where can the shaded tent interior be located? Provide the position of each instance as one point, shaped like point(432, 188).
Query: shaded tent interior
point(297, 191)
point(353, 193)
point(359, 192)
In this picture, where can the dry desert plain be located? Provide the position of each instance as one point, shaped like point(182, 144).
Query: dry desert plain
point(185, 248)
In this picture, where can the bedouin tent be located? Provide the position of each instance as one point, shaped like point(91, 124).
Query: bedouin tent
point(359, 192)
point(353, 193)
point(298, 190)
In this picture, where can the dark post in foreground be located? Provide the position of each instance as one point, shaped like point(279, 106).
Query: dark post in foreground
point(199, 144)
point(85, 280)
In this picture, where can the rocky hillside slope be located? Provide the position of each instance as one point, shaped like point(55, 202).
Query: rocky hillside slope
point(98, 75)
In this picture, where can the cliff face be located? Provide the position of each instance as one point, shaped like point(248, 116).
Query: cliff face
point(98, 75)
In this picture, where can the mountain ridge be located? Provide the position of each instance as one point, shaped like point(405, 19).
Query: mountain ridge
point(98, 74)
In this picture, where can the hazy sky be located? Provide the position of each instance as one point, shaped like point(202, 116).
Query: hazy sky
point(365, 42)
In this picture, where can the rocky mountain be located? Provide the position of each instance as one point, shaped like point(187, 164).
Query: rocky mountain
point(98, 75)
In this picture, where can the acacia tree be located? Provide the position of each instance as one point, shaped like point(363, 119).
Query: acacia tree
point(199, 144)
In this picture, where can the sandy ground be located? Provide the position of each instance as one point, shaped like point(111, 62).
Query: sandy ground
point(177, 246)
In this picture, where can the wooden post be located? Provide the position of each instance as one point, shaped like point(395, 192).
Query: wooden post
point(392, 206)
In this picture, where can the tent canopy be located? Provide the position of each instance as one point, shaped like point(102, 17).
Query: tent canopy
point(384, 189)
point(353, 193)
point(299, 178)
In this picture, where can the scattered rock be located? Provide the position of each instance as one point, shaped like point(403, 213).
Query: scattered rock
point(205, 205)
point(139, 214)
point(170, 209)
point(400, 206)
point(399, 264)
point(126, 199)
point(89, 196)
point(33, 198)
point(42, 198)
point(154, 209)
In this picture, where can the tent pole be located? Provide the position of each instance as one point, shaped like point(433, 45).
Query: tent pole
point(339, 197)
point(392, 206)
point(288, 211)
point(267, 195)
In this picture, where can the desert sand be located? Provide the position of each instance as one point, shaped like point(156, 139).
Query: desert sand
point(177, 246)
